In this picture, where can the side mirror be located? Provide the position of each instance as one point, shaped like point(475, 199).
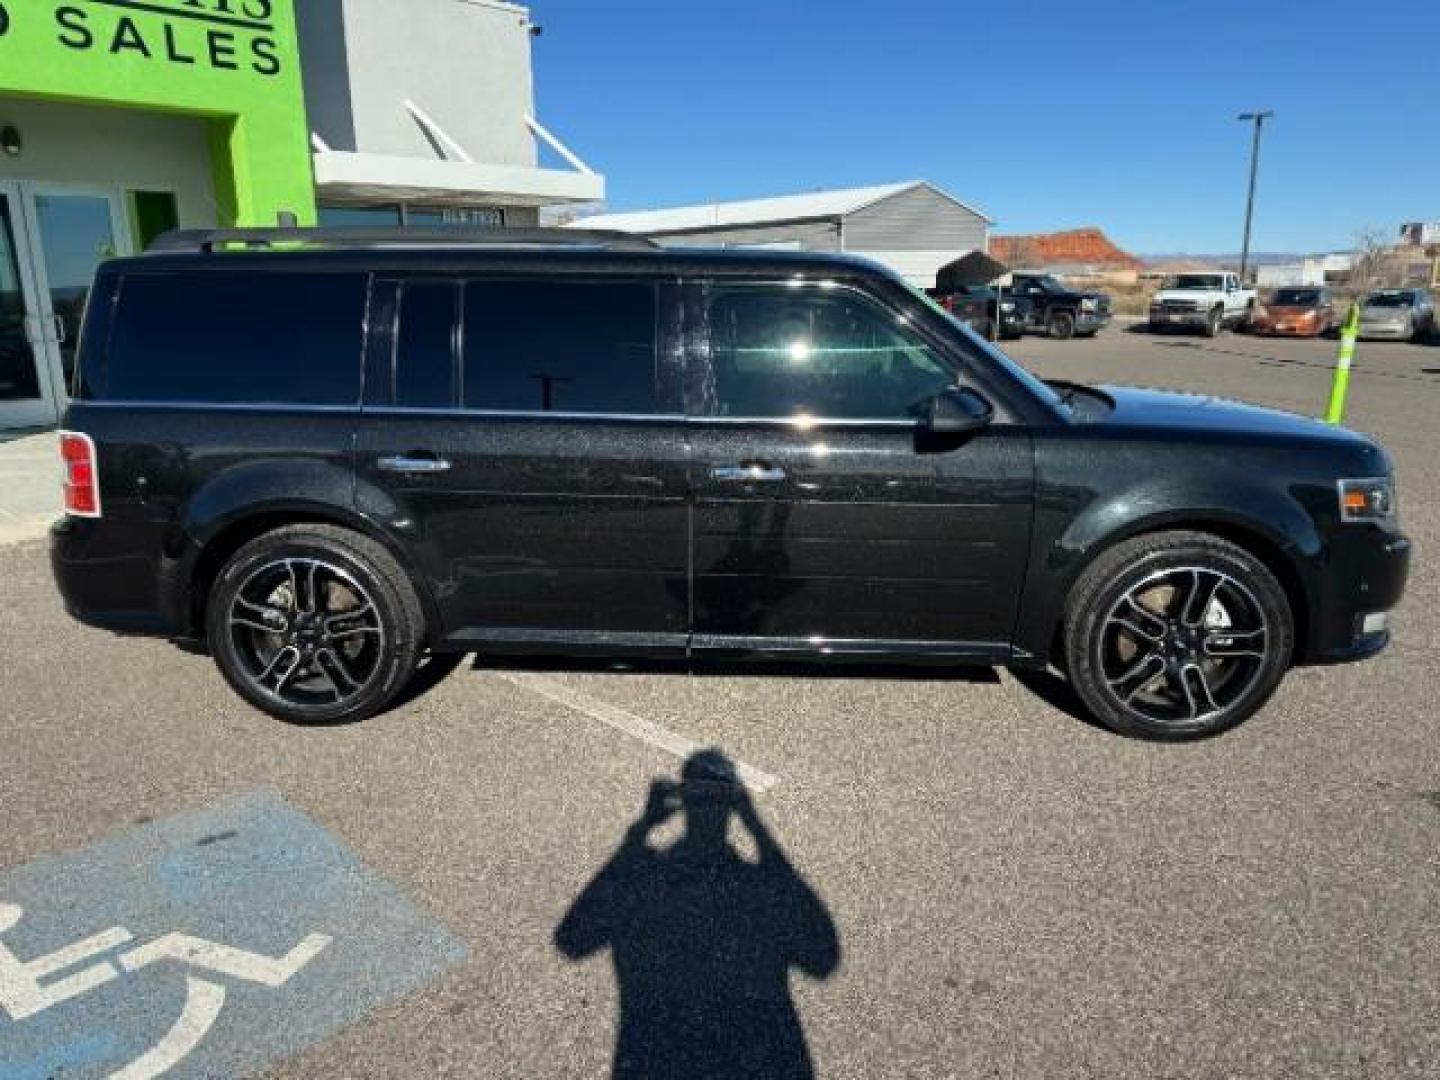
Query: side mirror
point(958, 410)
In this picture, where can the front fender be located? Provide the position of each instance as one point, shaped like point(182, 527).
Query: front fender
point(1250, 507)
point(1270, 522)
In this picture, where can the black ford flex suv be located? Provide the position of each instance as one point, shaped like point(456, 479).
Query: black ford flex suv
point(328, 455)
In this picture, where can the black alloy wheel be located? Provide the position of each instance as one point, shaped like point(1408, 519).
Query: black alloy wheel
point(315, 624)
point(1177, 636)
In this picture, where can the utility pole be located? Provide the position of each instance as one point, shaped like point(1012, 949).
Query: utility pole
point(1258, 119)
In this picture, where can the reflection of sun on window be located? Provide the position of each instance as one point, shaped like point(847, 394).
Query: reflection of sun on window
point(800, 352)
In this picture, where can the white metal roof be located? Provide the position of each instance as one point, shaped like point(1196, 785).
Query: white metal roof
point(816, 204)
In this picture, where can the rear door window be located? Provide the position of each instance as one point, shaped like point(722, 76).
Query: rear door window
point(425, 345)
point(560, 346)
point(237, 338)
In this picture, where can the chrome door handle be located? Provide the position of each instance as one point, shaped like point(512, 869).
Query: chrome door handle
point(747, 474)
point(403, 464)
point(61, 335)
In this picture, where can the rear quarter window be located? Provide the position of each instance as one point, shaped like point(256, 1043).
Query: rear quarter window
point(237, 338)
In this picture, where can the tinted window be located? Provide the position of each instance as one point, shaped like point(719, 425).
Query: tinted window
point(560, 346)
point(425, 350)
point(238, 338)
point(359, 217)
point(781, 351)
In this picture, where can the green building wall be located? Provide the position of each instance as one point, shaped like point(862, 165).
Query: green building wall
point(233, 62)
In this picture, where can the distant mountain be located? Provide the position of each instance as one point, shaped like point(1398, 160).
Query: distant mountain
point(1086, 246)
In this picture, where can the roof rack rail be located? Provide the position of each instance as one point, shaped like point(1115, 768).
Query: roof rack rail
point(210, 240)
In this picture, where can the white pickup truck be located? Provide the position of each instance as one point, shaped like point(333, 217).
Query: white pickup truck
point(1209, 302)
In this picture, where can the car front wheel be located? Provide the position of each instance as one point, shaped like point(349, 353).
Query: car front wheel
point(315, 625)
point(1062, 325)
point(1177, 635)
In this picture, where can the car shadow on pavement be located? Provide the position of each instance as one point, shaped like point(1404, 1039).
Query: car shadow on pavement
point(718, 669)
point(703, 940)
point(1056, 692)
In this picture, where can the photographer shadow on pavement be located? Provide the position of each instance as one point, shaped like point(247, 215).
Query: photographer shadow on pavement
point(702, 939)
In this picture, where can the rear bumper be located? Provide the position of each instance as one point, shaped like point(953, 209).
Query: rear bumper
point(104, 584)
point(1366, 578)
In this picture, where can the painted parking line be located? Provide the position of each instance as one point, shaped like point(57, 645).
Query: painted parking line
point(212, 943)
point(636, 727)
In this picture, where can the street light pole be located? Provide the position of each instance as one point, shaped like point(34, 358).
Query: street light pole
point(1258, 119)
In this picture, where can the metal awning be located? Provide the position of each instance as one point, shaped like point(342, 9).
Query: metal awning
point(346, 177)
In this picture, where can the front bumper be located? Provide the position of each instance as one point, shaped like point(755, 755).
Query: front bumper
point(1170, 318)
point(1091, 322)
point(1384, 332)
point(1365, 576)
point(1012, 323)
point(1305, 328)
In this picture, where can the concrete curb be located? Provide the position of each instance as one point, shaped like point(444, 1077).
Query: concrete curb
point(29, 487)
point(23, 531)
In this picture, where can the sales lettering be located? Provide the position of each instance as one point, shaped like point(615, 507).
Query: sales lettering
point(224, 35)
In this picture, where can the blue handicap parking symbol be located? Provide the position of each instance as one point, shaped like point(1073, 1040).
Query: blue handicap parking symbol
point(208, 944)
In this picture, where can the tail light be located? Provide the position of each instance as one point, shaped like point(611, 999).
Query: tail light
point(82, 474)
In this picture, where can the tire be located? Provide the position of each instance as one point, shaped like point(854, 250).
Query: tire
point(1215, 322)
point(315, 624)
point(1199, 662)
point(1062, 325)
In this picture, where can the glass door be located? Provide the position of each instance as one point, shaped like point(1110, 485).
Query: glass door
point(27, 396)
point(73, 229)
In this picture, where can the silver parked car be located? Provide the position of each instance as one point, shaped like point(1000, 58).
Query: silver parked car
point(1398, 315)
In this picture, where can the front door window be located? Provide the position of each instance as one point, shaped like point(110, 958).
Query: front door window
point(819, 353)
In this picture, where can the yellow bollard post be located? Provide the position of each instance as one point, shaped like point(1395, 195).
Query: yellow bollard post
point(1341, 386)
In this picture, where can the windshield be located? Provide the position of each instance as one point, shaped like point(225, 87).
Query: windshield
point(1195, 281)
point(1390, 299)
point(1045, 281)
point(1030, 381)
point(1295, 297)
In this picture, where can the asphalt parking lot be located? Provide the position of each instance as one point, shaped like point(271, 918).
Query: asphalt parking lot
point(974, 881)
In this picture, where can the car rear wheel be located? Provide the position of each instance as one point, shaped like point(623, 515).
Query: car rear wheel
point(1177, 635)
point(315, 625)
point(1062, 325)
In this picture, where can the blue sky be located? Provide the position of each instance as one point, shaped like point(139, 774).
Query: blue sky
point(1045, 115)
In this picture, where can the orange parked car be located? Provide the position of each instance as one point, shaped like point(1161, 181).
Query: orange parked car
point(1301, 311)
